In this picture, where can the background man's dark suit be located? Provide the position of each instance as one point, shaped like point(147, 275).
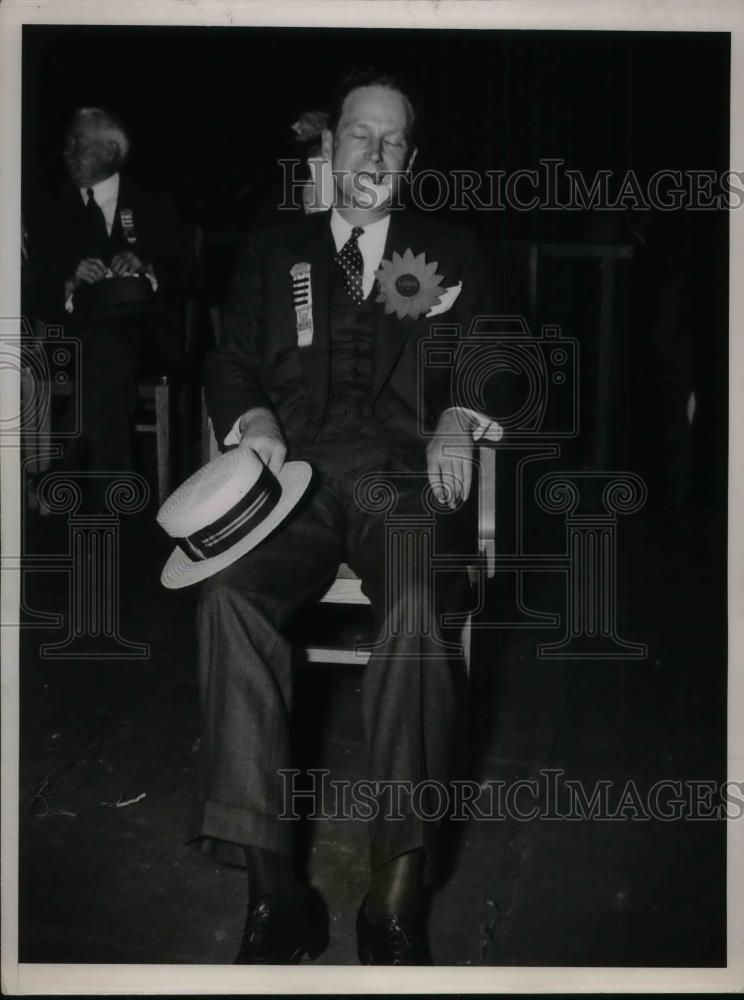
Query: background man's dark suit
point(61, 242)
point(114, 346)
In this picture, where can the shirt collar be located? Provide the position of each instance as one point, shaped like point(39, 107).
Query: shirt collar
point(341, 230)
point(106, 190)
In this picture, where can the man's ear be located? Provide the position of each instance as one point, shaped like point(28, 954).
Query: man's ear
point(326, 144)
point(113, 153)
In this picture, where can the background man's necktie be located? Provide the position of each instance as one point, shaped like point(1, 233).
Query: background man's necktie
point(349, 259)
point(96, 219)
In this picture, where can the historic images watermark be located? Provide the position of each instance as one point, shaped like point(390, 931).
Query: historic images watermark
point(550, 795)
point(551, 185)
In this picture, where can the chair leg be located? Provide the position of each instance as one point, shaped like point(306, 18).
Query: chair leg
point(466, 643)
point(43, 426)
point(43, 422)
point(162, 440)
point(29, 435)
point(205, 428)
point(209, 447)
point(29, 429)
point(214, 448)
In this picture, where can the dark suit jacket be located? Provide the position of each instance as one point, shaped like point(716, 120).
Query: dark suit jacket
point(261, 364)
point(60, 244)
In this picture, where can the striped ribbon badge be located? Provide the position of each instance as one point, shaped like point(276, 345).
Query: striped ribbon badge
point(302, 298)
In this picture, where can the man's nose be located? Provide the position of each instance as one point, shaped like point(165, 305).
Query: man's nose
point(375, 150)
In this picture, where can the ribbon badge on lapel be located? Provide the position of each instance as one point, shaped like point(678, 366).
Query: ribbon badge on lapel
point(408, 285)
point(126, 218)
point(302, 298)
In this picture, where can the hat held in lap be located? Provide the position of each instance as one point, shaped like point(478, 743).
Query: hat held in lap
point(224, 510)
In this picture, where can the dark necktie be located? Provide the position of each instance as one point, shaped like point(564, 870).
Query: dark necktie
point(349, 259)
point(96, 219)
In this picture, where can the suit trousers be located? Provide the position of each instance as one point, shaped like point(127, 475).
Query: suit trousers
point(113, 352)
point(411, 682)
point(107, 392)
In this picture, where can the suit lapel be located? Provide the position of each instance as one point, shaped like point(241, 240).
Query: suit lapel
point(116, 238)
point(391, 333)
point(123, 200)
point(314, 246)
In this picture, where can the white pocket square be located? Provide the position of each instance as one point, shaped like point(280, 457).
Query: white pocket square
point(447, 300)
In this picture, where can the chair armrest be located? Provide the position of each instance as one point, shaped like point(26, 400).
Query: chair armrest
point(486, 433)
point(485, 456)
point(482, 428)
point(215, 322)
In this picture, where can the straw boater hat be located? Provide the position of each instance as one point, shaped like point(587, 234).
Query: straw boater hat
point(224, 510)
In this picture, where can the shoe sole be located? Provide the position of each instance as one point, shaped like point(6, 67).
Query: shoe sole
point(309, 951)
point(312, 951)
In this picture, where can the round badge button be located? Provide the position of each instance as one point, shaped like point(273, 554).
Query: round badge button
point(407, 285)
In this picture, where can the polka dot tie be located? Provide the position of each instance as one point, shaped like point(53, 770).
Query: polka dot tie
point(349, 259)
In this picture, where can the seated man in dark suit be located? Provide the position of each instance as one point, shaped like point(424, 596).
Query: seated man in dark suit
point(320, 362)
point(103, 229)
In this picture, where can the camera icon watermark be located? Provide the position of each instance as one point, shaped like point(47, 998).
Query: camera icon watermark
point(526, 383)
point(47, 363)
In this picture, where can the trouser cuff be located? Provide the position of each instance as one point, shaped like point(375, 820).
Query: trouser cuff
point(392, 838)
point(223, 832)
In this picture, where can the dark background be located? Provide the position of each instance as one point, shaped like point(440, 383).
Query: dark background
point(209, 112)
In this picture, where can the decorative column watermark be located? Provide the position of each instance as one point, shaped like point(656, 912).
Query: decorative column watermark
point(591, 618)
point(92, 565)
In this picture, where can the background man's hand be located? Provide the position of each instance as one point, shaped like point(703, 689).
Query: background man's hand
point(126, 263)
point(88, 271)
point(259, 431)
point(449, 457)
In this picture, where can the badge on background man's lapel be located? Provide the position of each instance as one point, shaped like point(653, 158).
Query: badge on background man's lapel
point(126, 218)
point(302, 298)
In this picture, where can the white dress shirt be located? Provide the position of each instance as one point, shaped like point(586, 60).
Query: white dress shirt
point(105, 195)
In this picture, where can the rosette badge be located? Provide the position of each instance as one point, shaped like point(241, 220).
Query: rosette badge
point(408, 285)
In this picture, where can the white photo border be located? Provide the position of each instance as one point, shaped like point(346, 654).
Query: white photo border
point(602, 15)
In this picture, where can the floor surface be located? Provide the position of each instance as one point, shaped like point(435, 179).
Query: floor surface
point(108, 749)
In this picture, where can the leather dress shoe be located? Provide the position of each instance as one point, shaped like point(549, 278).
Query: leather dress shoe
point(391, 940)
point(281, 932)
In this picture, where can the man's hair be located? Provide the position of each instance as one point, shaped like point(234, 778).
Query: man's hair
point(107, 125)
point(308, 132)
point(369, 77)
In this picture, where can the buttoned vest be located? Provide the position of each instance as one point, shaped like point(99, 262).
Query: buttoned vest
point(349, 408)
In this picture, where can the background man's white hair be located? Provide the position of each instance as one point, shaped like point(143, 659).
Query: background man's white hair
point(105, 124)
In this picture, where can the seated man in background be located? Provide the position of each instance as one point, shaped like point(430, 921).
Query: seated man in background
point(106, 227)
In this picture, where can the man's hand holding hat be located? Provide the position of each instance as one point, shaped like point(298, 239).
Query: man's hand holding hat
point(260, 432)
